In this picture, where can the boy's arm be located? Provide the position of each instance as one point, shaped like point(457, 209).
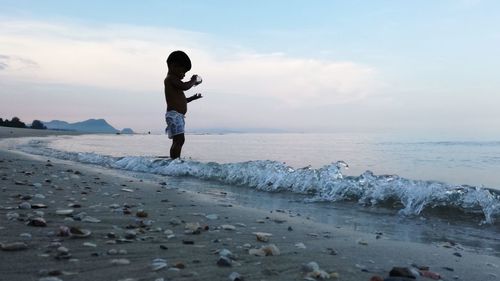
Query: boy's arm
point(183, 85)
point(194, 97)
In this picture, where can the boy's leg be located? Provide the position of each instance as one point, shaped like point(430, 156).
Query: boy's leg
point(177, 142)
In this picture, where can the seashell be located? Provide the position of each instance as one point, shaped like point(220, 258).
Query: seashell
point(268, 250)
point(91, 219)
point(262, 236)
point(310, 267)
point(38, 206)
point(224, 261)
point(24, 205)
point(120, 261)
point(76, 232)
point(212, 217)
point(158, 264)
point(300, 245)
point(64, 212)
point(37, 222)
point(16, 246)
point(141, 214)
point(228, 227)
point(235, 276)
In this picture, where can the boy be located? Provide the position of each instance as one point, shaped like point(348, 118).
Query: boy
point(178, 64)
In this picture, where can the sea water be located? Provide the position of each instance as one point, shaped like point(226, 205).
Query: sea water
point(374, 183)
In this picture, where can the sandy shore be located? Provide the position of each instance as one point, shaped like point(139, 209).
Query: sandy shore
point(154, 231)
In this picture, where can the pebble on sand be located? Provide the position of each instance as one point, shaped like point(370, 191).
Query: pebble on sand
point(158, 264)
point(262, 236)
point(268, 250)
point(120, 261)
point(228, 227)
point(235, 276)
point(15, 246)
point(37, 222)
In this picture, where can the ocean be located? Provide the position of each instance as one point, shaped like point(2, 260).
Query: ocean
point(410, 190)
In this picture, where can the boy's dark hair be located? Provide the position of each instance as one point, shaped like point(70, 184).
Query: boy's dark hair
point(179, 58)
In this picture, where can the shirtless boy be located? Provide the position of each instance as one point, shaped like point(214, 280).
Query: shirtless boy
point(178, 64)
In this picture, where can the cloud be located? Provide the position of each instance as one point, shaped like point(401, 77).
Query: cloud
point(132, 58)
point(15, 63)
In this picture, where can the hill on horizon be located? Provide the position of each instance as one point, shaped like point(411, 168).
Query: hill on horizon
point(87, 126)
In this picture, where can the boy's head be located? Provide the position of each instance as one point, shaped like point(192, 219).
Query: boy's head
point(178, 61)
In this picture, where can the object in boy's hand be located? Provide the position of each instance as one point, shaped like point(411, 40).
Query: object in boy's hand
point(198, 80)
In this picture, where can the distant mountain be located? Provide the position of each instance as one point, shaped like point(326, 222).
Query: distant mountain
point(127, 131)
point(87, 126)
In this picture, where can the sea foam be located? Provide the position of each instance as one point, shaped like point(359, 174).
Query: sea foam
point(327, 183)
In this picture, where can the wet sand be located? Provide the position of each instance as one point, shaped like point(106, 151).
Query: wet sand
point(143, 230)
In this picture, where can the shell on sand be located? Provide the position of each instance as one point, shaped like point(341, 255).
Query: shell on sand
point(268, 250)
point(262, 236)
point(64, 212)
point(79, 233)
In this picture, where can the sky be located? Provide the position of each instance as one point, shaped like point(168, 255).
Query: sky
point(424, 68)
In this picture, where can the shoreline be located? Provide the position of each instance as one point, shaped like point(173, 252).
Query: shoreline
point(108, 197)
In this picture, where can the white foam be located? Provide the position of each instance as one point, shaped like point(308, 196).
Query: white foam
point(323, 184)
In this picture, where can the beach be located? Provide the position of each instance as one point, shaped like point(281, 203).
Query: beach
point(62, 220)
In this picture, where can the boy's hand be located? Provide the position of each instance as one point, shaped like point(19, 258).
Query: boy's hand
point(196, 96)
point(196, 80)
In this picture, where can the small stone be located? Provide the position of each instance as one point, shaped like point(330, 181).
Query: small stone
point(112, 252)
point(90, 219)
point(269, 250)
point(188, 242)
point(15, 246)
point(141, 214)
point(362, 242)
point(290, 228)
point(262, 236)
point(52, 278)
point(163, 247)
point(158, 264)
point(226, 253)
point(25, 236)
point(224, 261)
point(38, 206)
point(88, 244)
point(212, 217)
point(130, 234)
point(37, 185)
point(24, 205)
point(175, 221)
point(40, 222)
point(310, 267)
point(12, 216)
point(235, 276)
point(120, 261)
point(64, 212)
point(457, 254)
point(39, 196)
point(76, 232)
point(180, 265)
point(402, 272)
point(193, 228)
point(228, 227)
point(300, 245)
point(62, 250)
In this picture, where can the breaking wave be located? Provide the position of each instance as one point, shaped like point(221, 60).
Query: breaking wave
point(328, 183)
